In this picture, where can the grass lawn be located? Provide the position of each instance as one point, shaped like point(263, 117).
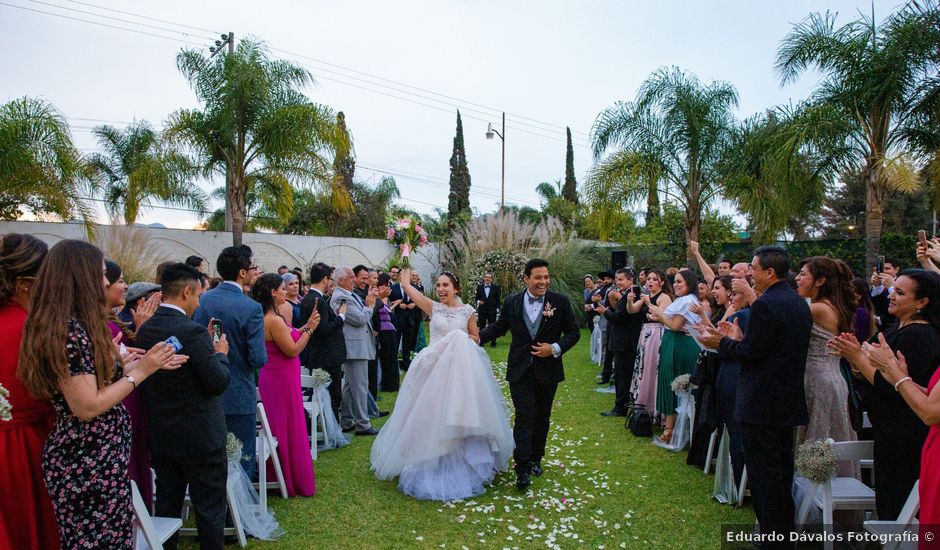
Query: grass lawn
point(601, 488)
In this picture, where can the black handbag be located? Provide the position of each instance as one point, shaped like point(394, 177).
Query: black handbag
point(639, 422)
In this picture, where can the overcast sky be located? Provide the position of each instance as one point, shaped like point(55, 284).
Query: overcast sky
point(400, 69)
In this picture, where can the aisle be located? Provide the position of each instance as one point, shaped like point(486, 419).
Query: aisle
point(602, 488)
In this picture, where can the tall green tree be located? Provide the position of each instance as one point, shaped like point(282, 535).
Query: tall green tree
point(874, 78)
point(458, 200)
point(570, 190)
point(41, 171)
point(256, 127)
point(136, 167)
point(675, 132)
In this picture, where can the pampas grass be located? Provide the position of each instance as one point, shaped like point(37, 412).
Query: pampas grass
point(131, 248)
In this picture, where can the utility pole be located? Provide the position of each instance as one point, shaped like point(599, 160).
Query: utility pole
point(502, 137)
point(230, 40)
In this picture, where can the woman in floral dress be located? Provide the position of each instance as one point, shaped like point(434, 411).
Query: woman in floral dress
point(68, 356)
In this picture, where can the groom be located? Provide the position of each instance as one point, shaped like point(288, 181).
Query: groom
point(543, 328)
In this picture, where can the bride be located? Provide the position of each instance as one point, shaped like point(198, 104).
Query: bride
point(449, 432)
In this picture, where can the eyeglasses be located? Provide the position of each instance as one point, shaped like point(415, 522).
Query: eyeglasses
point(253, 267)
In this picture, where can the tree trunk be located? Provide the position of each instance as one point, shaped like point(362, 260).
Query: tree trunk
point(693, 226)
point(652, 201)
point(874, 215)
point(237, 206)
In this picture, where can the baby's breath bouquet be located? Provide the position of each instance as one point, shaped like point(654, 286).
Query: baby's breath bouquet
point(682, 383)
point(321, 377)
point(233, 447)
point(816, 461)
point(6, 408)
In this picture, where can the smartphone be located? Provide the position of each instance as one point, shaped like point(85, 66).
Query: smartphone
point(880, 268)
point(922, 237)
point(173, 341)
point(316, 303)
point(216, 328)
point(637, 291)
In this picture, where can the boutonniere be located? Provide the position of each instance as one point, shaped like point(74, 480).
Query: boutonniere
point(548, 310)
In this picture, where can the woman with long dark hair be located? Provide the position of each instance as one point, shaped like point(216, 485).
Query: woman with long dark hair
point(68, 356)
point(22, 437)
point(279, 384)
point(643, 386)
point(827, 283)
point(678, 351)
point(898, 432)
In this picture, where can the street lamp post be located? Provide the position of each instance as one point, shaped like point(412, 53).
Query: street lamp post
point(502, 179)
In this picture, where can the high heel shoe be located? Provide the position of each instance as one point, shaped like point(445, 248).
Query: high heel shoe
point(666, 437)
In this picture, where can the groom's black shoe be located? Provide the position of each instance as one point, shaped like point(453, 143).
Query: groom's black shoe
point(536, 468)
point(370, 431)
point(522, 479)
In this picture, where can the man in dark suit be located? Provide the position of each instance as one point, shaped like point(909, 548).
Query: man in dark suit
point(624, 327)
point(326, 348)
point(882, 285)
point(599, 299)
point(243, 325)
point(410, 316)
point(543, 328)
point(488, 297)
point(186, 430)
point(771, 399)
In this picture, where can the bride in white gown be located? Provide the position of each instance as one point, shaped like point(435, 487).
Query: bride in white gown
point(449, 432)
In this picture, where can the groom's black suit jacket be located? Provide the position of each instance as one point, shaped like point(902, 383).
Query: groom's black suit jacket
point(561, 328)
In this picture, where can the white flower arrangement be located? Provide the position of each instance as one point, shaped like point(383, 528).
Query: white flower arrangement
point(233, 447)
point(816, 461)
point(6, 409)
point(682, 383)
point(321, 377)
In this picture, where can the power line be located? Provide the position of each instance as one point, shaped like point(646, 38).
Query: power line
point(494, 110)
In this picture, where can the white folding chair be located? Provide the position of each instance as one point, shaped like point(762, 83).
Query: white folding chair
point(151, 532)
point(691, 420)
point(267, 450)
point(710, 454)
point(841, 493)
point(742, 487)
point(906, 521)
point(313, 409)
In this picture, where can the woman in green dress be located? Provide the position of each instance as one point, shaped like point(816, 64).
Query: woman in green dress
point(678, 351)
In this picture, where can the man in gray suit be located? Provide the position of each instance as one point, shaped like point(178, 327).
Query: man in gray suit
point(360, 349)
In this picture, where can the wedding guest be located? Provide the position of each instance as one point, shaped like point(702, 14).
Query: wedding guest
point(625, 329)
point(727, 382)
point(282, 270)
point(279, 384)
point(864, 322)
point(137, 296)
point(678, 351)
point(882, 284)
point(187, 432)
point(898, 433)
point(85, 459)
point(925, 402)
point(327, 346)
point(411, 329)
point(588, 306)
point(29, 527)
point(160, 268)
point(421, 342)
point(360, 349)
point(243, 324)
point(301, 289)
point(724, 268)
point(773, 359)
point(385, 319)
point(828, 285)
point(363, 285)
point(403, 316)
point(643, 387)
point(488, 298)
point(290, 309)
point(197, 262)
point(114, 298)
point(599, 298)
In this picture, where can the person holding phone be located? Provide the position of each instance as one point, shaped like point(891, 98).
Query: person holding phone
point(882, 285)
point(327, 347)
point(385, 320)
point(625, 326)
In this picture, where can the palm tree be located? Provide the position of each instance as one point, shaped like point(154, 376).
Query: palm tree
point(256, 126)
point(40, 168)
point(674, 132)
point(136, 167)
point(874, 79)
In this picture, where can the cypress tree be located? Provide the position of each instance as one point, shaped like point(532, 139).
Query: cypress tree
point(570, 190)
point(458, 200)
point(344, 165)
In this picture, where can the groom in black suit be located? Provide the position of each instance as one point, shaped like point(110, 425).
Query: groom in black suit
point(771, 399)
point(543, 328)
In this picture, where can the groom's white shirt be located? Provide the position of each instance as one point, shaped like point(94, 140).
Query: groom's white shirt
point(533, 310)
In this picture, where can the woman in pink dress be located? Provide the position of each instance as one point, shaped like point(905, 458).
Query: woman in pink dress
point(279, 384)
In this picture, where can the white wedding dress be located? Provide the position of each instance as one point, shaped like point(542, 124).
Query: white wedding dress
point(449, 432)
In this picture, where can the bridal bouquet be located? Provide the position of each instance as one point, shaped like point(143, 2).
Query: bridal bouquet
point(407, 235)
point(5, 407)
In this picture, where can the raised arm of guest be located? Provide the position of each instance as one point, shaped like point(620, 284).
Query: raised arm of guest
point(707, 273)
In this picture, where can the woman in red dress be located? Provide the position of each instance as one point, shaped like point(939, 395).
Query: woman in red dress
point(27, 520)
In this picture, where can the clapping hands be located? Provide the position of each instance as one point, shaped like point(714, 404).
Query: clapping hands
point(892, 365)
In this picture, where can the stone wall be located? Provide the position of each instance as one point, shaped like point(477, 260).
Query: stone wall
point(271, 250)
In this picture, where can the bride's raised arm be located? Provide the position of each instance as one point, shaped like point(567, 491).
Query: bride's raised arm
point(420, 300)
